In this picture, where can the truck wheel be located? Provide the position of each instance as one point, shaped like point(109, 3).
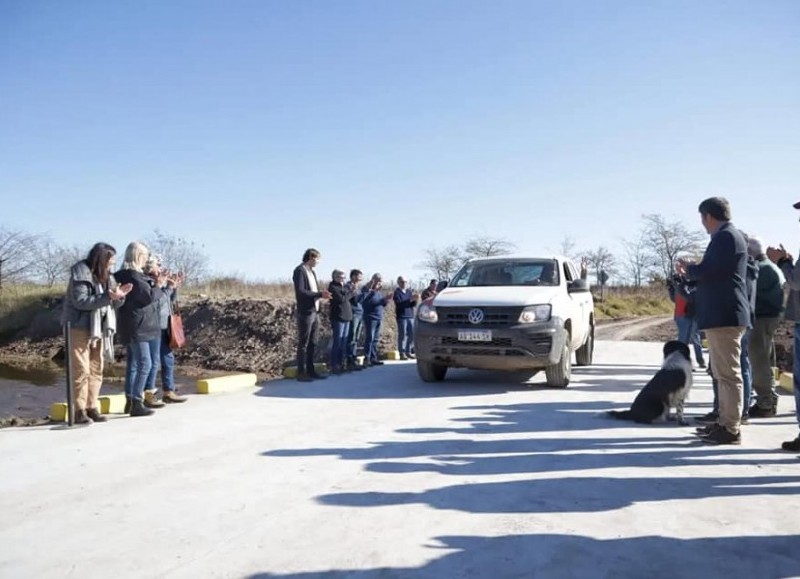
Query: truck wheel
point(430, 372)
point(584, 354)
point(558, 375)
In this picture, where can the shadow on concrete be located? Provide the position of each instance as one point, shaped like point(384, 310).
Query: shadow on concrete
point(572, 494)
point(552, 555)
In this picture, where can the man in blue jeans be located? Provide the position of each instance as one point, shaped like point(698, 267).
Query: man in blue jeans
point(405, 300)
point(791, 271)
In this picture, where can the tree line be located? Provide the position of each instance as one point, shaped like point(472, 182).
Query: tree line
point(648, 257)
point(38, 258)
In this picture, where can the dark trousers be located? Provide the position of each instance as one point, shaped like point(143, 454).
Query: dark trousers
point(353, 338)
point(307, 329)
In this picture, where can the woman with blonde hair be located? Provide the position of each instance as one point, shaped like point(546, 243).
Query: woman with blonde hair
point(138, 327)
point(92, 296)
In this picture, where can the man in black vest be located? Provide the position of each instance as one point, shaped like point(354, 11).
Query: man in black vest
point(308, 294)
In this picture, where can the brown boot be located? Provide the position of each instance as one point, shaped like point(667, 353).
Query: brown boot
point(95, 415)
point(151, 401)
point(172, 397)
point(81, 417)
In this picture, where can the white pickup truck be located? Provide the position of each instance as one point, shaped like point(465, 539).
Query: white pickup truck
point(508, 313)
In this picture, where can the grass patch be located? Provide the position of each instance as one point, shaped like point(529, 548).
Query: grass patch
point(632, 302)
point(20, 303)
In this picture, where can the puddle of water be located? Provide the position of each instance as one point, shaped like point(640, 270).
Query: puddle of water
point(49, 374)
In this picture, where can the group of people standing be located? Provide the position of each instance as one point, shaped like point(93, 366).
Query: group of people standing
point(356, 308)
point(735, 296)
point(134, 303)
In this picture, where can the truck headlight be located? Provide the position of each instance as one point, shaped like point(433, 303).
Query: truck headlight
point(427, 313)
point(532, 314)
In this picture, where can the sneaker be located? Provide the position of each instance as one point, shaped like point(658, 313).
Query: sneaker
point(376, 363)
point(792, 445)
point(128, 400)
point(710, 418)
point(403, 357)
point(702, 365)
point(172, 397)
point(756, 411)
point(412, 357)
point(722, 436)
point(95, 415)
point(150, 400)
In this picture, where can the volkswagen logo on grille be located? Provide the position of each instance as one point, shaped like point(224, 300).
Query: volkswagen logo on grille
point(475, 316)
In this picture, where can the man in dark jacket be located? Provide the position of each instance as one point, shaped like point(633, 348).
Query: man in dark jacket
point(374, 302)
point(791, 271)
point(723, 311)
point(308, 295)
point(341, 317)
point(405, 300)
point(353, 288)
point(768, 311)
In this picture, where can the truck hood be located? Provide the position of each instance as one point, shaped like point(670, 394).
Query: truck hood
point(496, 296)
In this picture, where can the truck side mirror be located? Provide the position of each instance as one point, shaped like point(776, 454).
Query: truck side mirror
point(577, 286)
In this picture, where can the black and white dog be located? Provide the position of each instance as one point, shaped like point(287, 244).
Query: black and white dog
point(667, 389)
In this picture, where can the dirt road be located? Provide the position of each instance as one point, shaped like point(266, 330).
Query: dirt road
point(651, 329)
point(376, 474)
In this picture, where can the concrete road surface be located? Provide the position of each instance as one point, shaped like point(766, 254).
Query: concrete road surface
point(378, 475)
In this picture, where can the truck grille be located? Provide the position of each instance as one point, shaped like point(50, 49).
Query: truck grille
point(493, 317)
point(497, 347)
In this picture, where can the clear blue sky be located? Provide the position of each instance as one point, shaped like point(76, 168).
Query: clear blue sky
point(375, 129)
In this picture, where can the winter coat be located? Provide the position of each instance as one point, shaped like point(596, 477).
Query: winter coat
point(721, 296)
point(403, 304)
point(792, 274)
point(341, 310)
point(137, 320)
point(769, 290)
point(374, 302)
point(84, 295)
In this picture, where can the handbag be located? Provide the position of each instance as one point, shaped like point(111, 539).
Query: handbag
point(175, 329)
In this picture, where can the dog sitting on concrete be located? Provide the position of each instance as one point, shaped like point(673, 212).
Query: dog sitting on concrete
point(669, 388)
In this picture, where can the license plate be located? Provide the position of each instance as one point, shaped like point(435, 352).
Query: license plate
point(475, 336)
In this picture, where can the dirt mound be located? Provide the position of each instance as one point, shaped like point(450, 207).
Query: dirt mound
point(234, 335)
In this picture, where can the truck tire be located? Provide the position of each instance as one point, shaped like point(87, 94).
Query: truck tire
point(430, 372)
point(584, 354)
point(558, 374)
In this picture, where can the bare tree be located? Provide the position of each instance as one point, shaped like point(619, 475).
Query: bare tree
point(637, 260)
point(178, 254)
point(601, 259)
point(17, 254)
point(668, 240)
point(51, 264)
point(481, 246)
point(442, 263)
point(567, 247)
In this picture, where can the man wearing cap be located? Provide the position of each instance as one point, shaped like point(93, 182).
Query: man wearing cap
point(723, 311)
point(791, 270)
point(768, 310)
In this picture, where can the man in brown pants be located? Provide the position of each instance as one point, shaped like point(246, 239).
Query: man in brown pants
point(723, 311)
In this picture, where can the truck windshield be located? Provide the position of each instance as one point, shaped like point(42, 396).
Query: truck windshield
point(508, 273)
